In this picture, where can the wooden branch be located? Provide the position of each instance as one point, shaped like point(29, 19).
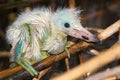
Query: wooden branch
point(98, 30)
point(110, 30)
point(105, 74)
point(53, 5)
point(92, 65)
point(11, 71)
point(2, 34)
point(72, 4)
point(81, 58)
point(44, 63)
point(4, 54)
point(94, 52)
point(67, 64)
point(112, 78)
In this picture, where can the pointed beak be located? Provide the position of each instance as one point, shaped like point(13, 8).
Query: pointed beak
point(83, 34)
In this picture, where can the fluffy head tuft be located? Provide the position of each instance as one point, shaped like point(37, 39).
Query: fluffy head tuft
point(65, 19)
point(67, 13)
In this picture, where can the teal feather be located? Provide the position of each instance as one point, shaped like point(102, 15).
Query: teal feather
point(18, 49)
point(28, 30)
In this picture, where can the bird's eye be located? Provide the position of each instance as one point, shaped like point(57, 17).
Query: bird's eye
point(67, 25)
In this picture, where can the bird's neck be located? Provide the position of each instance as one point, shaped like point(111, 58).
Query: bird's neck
point(57, 32)
point(54, 29)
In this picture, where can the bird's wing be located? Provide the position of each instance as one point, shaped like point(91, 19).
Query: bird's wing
point(54, 45)
point(27, 34)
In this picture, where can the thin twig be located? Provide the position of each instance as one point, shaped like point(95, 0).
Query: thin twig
point(72, 4)
point(67, 64)
point(81, 58)
point(43, 72)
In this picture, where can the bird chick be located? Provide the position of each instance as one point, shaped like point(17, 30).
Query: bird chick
point(40, 32)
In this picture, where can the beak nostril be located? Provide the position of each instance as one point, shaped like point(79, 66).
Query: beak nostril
point(84, 37)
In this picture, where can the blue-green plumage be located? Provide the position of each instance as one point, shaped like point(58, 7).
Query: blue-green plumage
point(18, 49)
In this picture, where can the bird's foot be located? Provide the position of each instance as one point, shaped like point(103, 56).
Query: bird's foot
point(44, 55)
point(25, 63)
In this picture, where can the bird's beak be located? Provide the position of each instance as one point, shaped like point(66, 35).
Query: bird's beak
point(83, 34)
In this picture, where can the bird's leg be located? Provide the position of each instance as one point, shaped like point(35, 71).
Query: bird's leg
point(27, 65)
point(69, 44)
point(44, 55)
point(67, 51)
point(12, 64)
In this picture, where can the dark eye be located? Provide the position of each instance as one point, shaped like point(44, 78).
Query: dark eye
point(67, 25)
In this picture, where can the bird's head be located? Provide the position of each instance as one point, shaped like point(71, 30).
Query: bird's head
point(68, 21)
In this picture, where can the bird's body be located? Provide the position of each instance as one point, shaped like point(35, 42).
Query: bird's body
point(33, 30)
point(38, 33)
